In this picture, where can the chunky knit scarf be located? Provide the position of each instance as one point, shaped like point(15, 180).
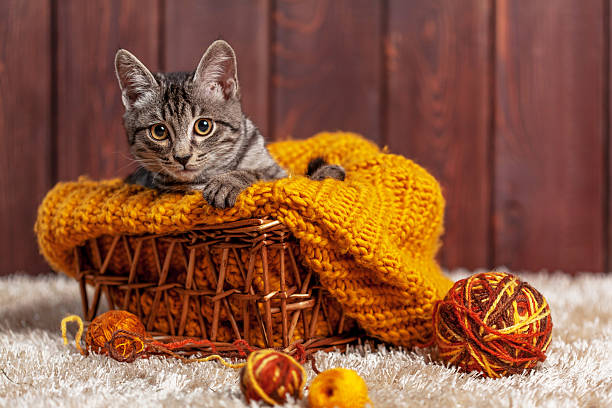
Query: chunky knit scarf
point(371, 239)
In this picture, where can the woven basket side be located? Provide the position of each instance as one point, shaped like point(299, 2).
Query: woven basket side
point(236, 281)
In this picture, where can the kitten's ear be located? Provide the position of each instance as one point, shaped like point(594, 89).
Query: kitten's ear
point(135, 80)
point(217, 71)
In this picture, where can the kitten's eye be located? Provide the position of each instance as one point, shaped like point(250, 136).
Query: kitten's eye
point(159, 131)
point(203, 127)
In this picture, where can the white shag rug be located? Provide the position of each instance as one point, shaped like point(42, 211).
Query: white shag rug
point(38, 370)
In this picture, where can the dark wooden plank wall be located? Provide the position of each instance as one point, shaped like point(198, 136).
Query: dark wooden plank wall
point(327, 68)
point(439, 111)
point(90, 136)
point(26, 156)
point(549, 134)
point(505, 102)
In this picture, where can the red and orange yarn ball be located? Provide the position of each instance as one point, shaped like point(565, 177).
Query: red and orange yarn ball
point(493, 323)
point(270, 375)
point(101, 330)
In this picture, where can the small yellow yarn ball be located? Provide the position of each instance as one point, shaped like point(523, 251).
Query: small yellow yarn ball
point(338, 387)
point(101, 329)
point(270, 375)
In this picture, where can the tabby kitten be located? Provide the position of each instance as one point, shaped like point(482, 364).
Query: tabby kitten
point(188, 132)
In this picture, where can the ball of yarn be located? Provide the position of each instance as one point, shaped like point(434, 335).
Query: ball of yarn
point(270, 375)
point(101, 330)
point(493, 323)
point(338, 387)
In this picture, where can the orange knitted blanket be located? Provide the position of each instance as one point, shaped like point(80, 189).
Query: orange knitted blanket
point(371, 239)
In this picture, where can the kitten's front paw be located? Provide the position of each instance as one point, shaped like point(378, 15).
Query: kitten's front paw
point(222, 191)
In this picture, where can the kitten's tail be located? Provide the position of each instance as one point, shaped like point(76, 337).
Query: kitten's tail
point(319, 169)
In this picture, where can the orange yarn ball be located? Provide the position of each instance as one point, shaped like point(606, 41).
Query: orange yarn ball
point(102, 328)
point(493, 323)
point(270, 375)
point(339, 388)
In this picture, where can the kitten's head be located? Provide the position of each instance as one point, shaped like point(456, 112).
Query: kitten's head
point(182, 124)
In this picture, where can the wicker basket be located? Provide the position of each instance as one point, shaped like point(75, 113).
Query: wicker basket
point(235, 281)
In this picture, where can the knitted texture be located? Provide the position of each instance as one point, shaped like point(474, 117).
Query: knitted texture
point(371, 238)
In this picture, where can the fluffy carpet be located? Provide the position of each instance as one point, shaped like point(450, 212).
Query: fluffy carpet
point(38, 370)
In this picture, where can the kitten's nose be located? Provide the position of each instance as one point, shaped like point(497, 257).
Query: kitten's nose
point(182, 159)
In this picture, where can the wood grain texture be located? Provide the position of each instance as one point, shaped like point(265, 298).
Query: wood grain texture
point(549, 174)
point(192, 25)
point(91, 139)
point(25, 130)
point(327, 67)
point(439, 111)
point(608, 134)
point(505, 102)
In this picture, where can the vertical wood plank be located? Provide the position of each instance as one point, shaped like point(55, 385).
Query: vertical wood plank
point(327, 67)
point(192, 25)
point(91, 139)
point(549, 137)
point(439, 111)
point(608, 133)
point(25, 129)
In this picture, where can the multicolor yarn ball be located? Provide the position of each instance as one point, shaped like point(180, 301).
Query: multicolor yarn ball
point(270, 375)
point(101, 330)
point(338, 387)
point(493, 323)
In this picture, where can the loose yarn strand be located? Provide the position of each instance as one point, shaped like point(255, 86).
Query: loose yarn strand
point(216, 357)
point(157, 347)
point(143, 347)
point(79, 334)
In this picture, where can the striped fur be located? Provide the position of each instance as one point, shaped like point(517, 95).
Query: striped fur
point(220, 165)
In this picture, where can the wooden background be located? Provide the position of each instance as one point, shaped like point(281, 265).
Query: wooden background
point(506, 102)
